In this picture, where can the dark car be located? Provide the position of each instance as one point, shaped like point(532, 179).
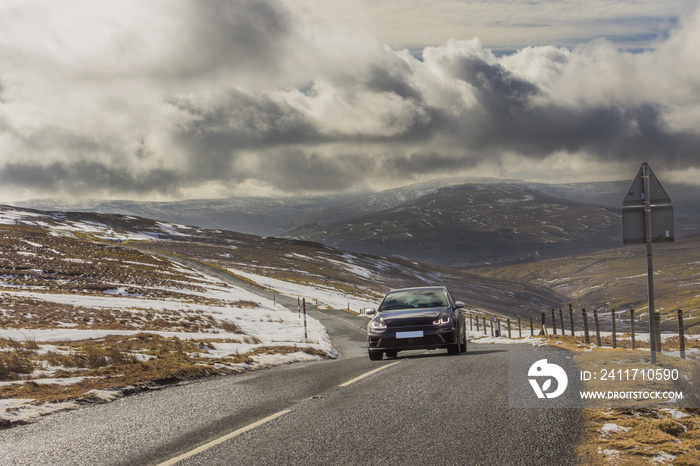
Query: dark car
point(416, 318)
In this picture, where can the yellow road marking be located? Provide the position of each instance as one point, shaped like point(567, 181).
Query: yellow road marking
point(367, 374)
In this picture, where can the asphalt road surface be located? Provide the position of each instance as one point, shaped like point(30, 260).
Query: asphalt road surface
point(421, 408)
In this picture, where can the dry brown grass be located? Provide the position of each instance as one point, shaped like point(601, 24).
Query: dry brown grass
point(645, 434)
point(112, 362)
point(29, 313)
point(32, 258)
point(143, 374)
point(14, 364)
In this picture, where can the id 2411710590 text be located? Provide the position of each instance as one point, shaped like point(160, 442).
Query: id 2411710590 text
point(649, 375)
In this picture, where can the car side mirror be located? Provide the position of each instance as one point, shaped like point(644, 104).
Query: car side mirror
point(371, 311)
point(459, 304)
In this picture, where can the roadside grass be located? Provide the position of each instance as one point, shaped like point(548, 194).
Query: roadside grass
point(636, 436)
point(12, 365)
point(143, 360)
point(623, 341)
point(639, 434)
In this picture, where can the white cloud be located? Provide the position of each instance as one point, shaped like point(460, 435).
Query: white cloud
point(175, 98)
point(501, 24)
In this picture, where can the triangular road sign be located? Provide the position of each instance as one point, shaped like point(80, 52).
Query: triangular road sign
point(635, 195)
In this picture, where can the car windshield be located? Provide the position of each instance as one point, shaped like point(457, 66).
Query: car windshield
point(407, 299)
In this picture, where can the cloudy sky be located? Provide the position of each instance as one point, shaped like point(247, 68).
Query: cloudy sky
point(166, 99)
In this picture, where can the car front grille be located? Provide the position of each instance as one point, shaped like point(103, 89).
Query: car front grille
point(409, 322)
point(389, 340)
point(412, 342)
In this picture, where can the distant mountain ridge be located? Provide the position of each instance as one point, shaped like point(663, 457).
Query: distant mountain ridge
point(265, 216)
point(560, 219)
point(251, 215)
point(467, 225)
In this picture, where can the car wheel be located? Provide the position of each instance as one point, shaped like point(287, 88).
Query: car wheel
point(454, 348)
point(375, 355)
point(464, 345)
point(391, 354)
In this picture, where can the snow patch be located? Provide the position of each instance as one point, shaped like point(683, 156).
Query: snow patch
point(612, 428)
point(21, 410)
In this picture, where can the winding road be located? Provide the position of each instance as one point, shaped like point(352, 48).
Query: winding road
point(421, 408)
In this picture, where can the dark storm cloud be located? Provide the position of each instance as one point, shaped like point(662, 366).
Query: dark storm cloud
point(394, 80)
point(504, 122)
point(415, 163)
point(92, 177)
point(295, 170)
point(178, 41)
point(239, 121)
point(240, 34)
point(507, 119)
point(499, 92)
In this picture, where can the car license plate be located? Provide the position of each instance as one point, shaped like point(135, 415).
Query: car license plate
point(417, 334)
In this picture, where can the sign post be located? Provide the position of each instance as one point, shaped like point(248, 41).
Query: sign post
point(306, 333)
point(647, 217)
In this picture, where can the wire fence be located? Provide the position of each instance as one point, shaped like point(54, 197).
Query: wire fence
point(593, 327)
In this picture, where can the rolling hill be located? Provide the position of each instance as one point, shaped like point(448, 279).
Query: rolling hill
point(616, 278)
point(454, 222)
point(358, 278)
point(467, 225)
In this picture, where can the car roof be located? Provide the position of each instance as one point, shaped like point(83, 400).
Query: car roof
point(416, 288)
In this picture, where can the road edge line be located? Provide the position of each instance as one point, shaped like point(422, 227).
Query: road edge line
point(367, 374)
point(226, 437)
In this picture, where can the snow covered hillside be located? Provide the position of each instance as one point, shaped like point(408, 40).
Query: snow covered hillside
point(84, 319)
point(90, 308)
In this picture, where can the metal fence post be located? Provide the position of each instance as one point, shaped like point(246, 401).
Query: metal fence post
point(681, 333)
point(614, 329)
point(597, 327)
point(306, 335)
point(657, 322)
point(571, 318)
point(561, 321)
point(586, 335)
point(632, 326)
point(520, 328)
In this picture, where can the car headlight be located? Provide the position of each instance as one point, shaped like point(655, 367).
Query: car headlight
point(378, 325)
point(443, 320)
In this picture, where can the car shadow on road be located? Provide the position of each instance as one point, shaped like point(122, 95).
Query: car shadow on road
point(438, 354)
